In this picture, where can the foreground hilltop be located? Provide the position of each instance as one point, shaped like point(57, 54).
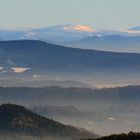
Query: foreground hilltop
point(15, 119)
point(123, 136)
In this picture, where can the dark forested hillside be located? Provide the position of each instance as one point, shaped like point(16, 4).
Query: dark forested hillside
point(17, 119)
point(123, 136)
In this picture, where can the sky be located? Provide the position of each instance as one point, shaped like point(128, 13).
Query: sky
point(100, 14)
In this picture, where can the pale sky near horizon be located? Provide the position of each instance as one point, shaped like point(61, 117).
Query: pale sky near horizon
point(102, 14)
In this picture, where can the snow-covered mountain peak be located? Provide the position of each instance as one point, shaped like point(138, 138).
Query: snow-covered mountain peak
point(79, 28)
point(134, 30)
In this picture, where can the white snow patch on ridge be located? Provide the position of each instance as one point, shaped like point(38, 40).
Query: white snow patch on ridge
point(1, 68)
point(111, 119)
point(19, 69)
point(83, 28)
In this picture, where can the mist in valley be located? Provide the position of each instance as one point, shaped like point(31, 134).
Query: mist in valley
point(103, 111)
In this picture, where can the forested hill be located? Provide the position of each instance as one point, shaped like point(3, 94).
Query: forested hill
point(123, 136)
point(15, 119)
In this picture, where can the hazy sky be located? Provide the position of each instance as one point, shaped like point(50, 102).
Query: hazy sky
point(104, 14)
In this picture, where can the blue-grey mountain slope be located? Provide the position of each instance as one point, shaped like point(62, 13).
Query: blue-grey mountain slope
point(116, 43)
point(34, 58)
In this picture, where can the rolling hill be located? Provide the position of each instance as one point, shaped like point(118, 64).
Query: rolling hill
point(123, 136)
point(30, 58)
point(15, 119)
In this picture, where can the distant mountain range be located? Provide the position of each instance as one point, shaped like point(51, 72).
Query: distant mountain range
point(58, 95)
point(136, 28)
point(15, 119)
point(54, 34)
point(37, 81)
point(114, 43)
point(33, 59)
point(79, 36)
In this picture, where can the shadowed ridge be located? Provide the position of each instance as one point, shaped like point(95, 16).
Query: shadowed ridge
point(19, 120)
